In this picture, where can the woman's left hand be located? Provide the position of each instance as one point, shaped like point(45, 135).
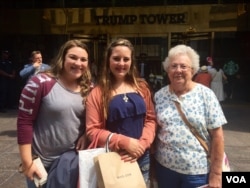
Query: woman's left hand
point(134, 148)
point(81, 142)
point(125, 156)
point(215, 180)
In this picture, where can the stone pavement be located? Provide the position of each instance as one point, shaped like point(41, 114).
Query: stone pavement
point(237, 143)
point(9, 155)
point(237, 135)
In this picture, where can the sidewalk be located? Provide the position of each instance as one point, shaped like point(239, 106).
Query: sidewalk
point(237, 135)
point(9, 154)
point(237, 143)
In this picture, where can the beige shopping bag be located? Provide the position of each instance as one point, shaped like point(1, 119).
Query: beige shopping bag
point(112, 172)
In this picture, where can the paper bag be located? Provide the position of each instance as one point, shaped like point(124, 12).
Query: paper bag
point(87, 171)
point(112, 172)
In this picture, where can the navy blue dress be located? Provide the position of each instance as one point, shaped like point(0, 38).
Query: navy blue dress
point(126, 116)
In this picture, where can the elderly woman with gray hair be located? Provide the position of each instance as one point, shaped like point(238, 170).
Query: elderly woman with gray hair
point(181, 161)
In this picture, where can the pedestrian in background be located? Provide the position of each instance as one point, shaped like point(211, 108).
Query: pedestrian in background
point(230, 69)
point(218, 80)
point(210, 62)
point(203, 77)
point(51, 118)
point(36, 65)
point(7, 82)
point(122, 104)
point(181, 160)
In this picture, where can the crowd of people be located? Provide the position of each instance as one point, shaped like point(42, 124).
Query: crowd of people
point(147, 126)
point(220, 78)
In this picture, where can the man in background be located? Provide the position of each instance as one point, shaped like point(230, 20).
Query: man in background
point(230, 69)
point(34, 67)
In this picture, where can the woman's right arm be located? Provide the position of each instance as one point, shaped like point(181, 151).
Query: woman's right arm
point(95, 123)
point(29, 103)
point(27, 71)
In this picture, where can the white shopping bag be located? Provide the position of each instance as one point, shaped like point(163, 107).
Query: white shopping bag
point(87, 171)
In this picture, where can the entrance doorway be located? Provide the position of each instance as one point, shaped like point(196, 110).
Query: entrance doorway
point(202, 42)
point(97, 45)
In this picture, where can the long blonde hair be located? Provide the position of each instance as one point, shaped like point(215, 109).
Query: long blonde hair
point(107, 79)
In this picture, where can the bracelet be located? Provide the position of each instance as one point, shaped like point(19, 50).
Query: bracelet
point(21, 169)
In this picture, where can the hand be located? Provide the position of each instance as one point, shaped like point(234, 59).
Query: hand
point(37, 64)
point(134, 148)
point(31, 171)
point(81, 143)
point(215, 180)
point(126, 157)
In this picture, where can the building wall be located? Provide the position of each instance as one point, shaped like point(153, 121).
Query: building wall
point(155, 20)
point(143, 20)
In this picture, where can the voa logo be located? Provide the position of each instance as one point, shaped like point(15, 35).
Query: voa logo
point(236, 179)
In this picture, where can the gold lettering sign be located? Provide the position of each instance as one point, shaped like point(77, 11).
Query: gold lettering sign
point(141, 19)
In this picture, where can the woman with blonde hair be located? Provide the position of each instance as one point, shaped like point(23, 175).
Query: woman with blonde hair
point(51, 118)
point(122, 104)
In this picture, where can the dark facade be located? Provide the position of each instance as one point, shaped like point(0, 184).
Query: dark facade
point(105, 3)
point(225, 38)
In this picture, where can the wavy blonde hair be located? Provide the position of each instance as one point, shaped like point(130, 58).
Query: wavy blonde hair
point(57, 65)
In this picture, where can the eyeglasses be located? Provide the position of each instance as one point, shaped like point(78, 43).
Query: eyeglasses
point(174, 67)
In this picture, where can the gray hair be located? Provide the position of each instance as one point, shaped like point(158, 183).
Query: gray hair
point(183, 50)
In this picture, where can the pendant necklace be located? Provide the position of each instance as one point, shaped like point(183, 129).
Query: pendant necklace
point(125, 98)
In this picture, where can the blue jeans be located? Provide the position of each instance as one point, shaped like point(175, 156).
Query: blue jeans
point(170, 178)
point(144, 164)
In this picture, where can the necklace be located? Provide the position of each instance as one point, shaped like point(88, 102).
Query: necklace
point(125, 98)
point(120, 89)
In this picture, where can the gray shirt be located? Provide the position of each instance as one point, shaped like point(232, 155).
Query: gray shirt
point(56, 114)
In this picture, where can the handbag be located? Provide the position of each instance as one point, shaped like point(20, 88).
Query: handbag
point(112, 172)
point(225, 161)
point(87, 171)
